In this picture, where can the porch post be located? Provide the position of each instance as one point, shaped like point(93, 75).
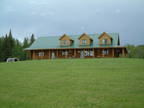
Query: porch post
point(49, 54)
point(65, 54)
point(103, 53)
point(123, 52)
point(74, 53)
point(69, 54)
point(84, 53)
point(29, 54)
point(57, 53)
point(113, 52)
point(33, 54)
point(93, 53)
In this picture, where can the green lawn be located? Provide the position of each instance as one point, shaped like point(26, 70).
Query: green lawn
point(73, 83)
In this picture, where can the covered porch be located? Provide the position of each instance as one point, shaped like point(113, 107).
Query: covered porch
point(77, 53)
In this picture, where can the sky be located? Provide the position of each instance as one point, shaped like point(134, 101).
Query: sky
point(56, 17)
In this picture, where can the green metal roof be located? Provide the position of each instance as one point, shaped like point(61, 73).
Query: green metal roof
point(52, 42)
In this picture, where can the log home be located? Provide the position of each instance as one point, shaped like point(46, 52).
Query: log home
point(77, 46)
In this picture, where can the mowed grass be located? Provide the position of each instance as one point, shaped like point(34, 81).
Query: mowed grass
point(73, 83)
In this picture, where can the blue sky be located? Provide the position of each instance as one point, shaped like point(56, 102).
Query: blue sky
point(56, 17)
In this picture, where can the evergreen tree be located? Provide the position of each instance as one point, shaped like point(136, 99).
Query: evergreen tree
point(1, 47)
point(32, 39)
point(26, 43)
point(6, 48)
point(11, 43)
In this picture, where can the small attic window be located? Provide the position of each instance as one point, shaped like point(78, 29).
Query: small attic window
point(104, 41)
point(84, 42)
point(65, 42)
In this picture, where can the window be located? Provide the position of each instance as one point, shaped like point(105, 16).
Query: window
point(41, 54)
point(64, 53)
point(65, 42)
point(84, 42)
point(105, 52)
point(104, 41)
point(88, 53)
point(91, 53)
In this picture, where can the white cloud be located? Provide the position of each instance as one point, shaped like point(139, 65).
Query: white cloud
point(50, 13)
point(82, 28)
point(97, 11)
point(9, 9)
point(38, 2)
point(33, 2)
point(117, 11)
point(43, 14)
point(34, 13)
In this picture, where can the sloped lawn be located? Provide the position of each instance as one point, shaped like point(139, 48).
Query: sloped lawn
point(73, 83)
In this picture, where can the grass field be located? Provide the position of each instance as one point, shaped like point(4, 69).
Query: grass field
point(73, 83)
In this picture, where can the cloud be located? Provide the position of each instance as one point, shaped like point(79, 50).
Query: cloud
point(43, 14)
point(38, 2)
point(49, 13)
point(97, 11)
point(33, 2)
point(117, 11)
point(34, 13)
point(9, 9)
point(82, 28)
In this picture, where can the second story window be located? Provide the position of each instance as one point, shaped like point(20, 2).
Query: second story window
point(65, 42)
point(104, 41)
point(84, 42)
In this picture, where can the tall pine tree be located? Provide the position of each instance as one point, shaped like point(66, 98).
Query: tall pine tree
point(26, 43)
point(10, 47)
point(32, 39)
point(11, 43)
point(6, 48)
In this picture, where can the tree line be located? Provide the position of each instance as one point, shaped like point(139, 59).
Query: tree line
point(11, 47)
point(135, 51)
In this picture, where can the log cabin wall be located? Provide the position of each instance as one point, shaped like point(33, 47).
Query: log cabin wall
point(78, 53)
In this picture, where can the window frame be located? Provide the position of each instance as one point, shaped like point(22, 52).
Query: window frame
point(65, 42)
point(84, 41)
point(88, 53)
point(64, 53)
point(41, 54)
point(105, 52)
point(104, 41)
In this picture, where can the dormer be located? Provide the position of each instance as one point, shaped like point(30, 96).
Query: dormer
point(65, 40)
point(85, 39)
point(105, 39)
